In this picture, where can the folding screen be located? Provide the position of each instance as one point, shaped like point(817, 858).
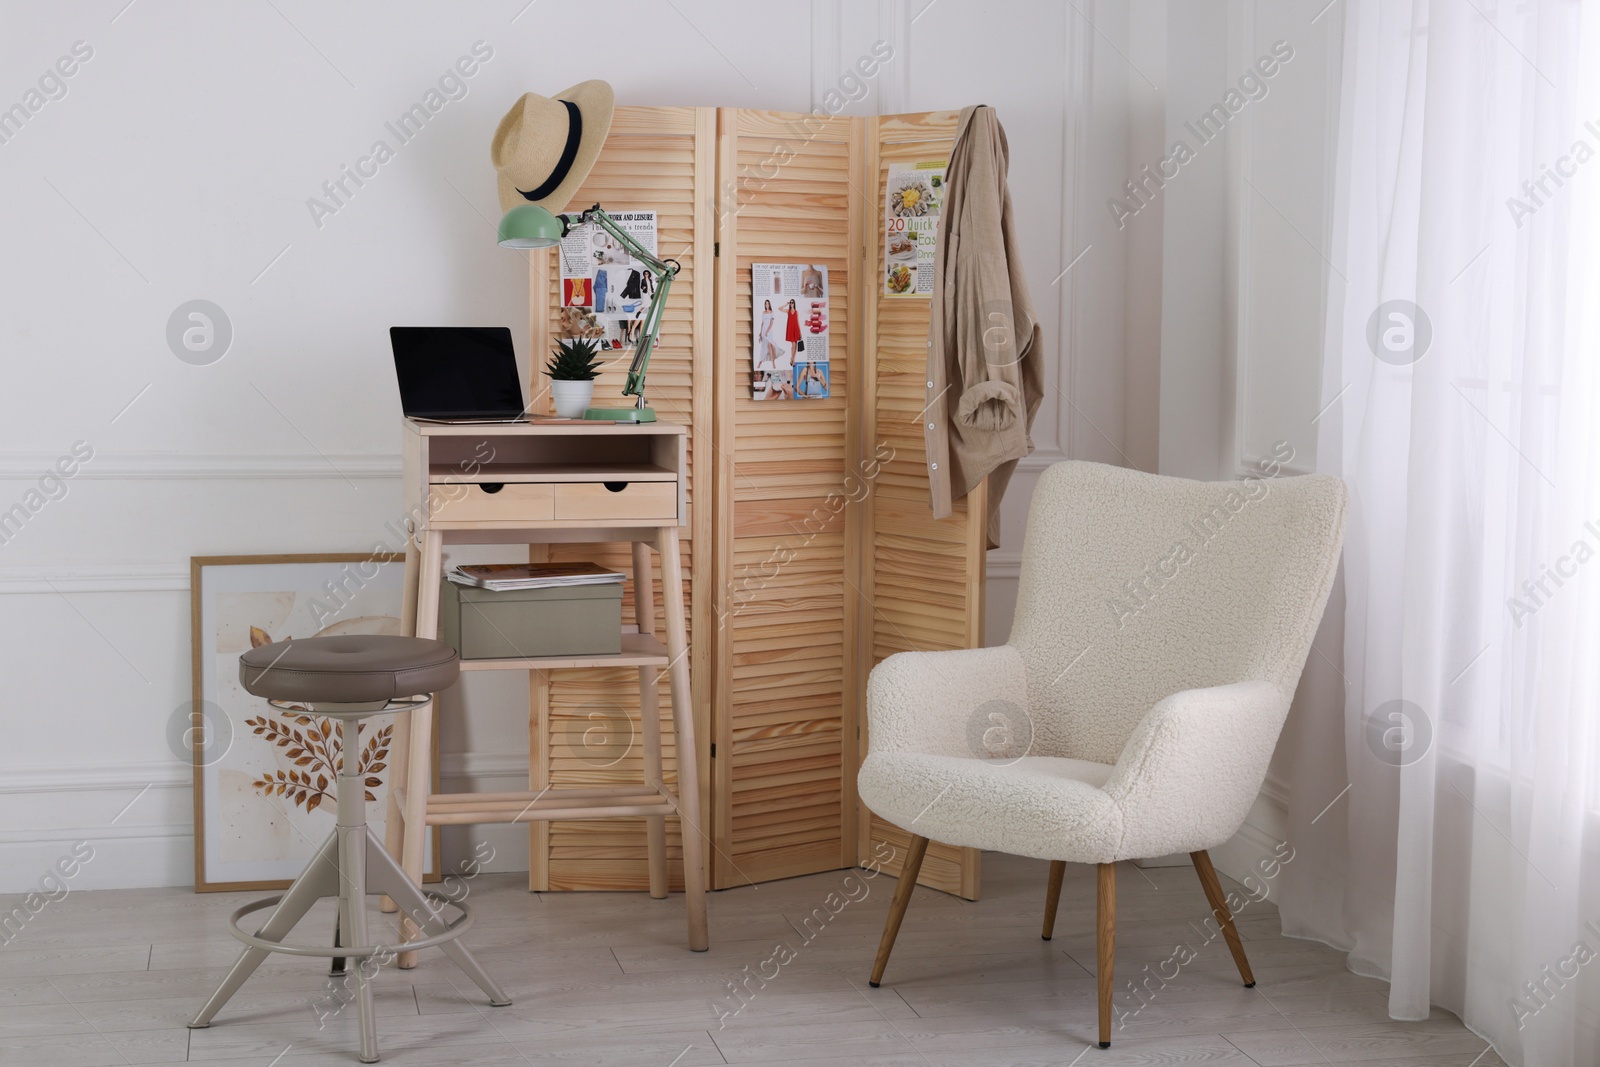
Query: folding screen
point(811, 549)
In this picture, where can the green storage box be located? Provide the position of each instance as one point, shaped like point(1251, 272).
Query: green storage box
point(574, 620)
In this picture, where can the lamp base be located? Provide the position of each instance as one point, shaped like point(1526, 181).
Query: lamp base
point(620, 414)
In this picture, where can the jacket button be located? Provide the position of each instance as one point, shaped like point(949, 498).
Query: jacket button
point(930, 425)
point(933, 466)
point(930, 385)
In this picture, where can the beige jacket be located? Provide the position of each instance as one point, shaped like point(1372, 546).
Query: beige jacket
point(985, 377)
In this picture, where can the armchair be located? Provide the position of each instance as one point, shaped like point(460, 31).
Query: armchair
point(1161, 628)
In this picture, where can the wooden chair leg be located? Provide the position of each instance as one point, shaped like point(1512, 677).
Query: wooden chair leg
point(1219, 909)
point(897, 907)
point(1106, 935)
point(1052, 896)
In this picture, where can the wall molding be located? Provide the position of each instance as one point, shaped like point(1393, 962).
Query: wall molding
point(1040, 459)
point(827, 48)
point(206, 466)
point(1251, 467)
point(894, 26)
point(1003, 565)
point(171, 774)
point(1077, 93)
point(1252, 849)
point(95, 777)
point(132, 854)
point(109, 578)
point(1240, 208)
point(104, 832)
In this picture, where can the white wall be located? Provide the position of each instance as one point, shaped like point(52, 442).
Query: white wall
point(178, 165)
point(1240, 233)
point(1243, 224)
point(1083, 279)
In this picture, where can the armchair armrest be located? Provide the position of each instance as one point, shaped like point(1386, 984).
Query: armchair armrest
point(930, 702)
point(1193, 766)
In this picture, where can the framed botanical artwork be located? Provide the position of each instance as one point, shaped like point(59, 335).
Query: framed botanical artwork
point(263, 778)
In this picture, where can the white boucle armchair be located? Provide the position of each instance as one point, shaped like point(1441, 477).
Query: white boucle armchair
point(1161, 627)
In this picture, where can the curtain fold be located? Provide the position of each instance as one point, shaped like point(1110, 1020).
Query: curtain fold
point(1443, 747)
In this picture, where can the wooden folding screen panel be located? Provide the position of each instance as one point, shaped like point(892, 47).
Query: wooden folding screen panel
point(662, 160)
point(787, 537)
point(811, 546)
point(922, 580)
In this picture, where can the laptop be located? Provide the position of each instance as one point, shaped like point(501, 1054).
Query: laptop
point(457, 373)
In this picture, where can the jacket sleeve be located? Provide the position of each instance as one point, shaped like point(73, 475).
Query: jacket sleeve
point(988, 344)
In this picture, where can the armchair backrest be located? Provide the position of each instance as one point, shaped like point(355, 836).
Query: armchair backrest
point(1136, 586)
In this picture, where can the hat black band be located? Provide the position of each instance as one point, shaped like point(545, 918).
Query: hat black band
point(568, 154)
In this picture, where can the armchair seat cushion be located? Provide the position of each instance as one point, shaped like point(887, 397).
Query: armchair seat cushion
point(1041, 806)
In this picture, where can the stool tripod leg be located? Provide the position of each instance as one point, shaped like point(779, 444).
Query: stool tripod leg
point(400, 742)
point(337, 968)
point(319, 879)
point(419, 749)
point(353, 908)
point(387, 877)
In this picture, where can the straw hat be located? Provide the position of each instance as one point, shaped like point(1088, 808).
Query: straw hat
point(544, 146)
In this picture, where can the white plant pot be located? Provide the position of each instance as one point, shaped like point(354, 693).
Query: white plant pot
point(572, 398)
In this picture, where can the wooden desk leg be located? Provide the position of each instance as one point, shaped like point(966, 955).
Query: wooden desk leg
point(690, 825)
point(644, 613)
point(394, 826)
point(419, 776)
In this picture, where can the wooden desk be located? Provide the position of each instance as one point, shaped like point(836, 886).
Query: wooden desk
point(540, 483)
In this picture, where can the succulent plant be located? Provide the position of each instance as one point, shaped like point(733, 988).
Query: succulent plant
point(576, 359)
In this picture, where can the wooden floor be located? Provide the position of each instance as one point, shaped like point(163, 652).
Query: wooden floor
point(599, 979)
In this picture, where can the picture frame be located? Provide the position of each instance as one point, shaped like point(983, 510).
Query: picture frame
point(259, 810)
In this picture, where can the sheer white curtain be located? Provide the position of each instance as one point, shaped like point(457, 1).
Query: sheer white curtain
point(1457, 692)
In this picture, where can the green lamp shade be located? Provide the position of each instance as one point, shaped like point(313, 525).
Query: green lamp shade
point(530, 226)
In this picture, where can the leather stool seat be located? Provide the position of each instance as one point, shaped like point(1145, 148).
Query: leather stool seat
point(353, 668)
point(349, 678)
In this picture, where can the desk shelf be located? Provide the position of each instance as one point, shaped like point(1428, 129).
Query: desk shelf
point(559, 484)
point(638, 650)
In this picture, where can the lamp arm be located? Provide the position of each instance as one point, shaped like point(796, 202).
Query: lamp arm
point(662, 270)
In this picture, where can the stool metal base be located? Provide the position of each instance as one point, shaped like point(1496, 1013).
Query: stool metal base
point(350, 864)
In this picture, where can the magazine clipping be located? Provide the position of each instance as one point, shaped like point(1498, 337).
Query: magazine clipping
point(912, 202)
point(605, 292)
point(789, 331)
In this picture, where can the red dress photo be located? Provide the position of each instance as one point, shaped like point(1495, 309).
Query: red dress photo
point(791, 332)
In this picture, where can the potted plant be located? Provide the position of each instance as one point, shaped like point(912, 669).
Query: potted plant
point(572, 370)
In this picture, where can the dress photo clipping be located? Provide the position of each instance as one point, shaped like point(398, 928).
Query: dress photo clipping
point(789, 331)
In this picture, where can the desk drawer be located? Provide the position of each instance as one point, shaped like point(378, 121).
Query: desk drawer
point(616, 500)
point(475, 502)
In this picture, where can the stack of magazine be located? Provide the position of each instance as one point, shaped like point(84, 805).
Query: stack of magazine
point(500, 577)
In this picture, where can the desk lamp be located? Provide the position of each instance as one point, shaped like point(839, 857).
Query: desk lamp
point(531, 226)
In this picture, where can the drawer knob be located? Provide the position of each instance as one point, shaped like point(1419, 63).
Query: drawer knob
point(491, 487)
point(615, 487)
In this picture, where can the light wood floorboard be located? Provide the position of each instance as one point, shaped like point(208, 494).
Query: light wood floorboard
point(603, 979)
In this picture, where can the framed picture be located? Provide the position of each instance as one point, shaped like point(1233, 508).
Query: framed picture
point(263, 778)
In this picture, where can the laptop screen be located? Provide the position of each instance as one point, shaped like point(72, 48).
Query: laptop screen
point(456, 372)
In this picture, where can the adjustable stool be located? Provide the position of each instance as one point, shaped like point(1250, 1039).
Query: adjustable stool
point(347, 679)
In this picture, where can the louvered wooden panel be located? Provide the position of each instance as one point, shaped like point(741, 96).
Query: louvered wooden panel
point(787, 557)
point(659, 159)
point(922, 580)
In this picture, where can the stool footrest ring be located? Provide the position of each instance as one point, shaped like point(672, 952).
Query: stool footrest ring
point(453, 930)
